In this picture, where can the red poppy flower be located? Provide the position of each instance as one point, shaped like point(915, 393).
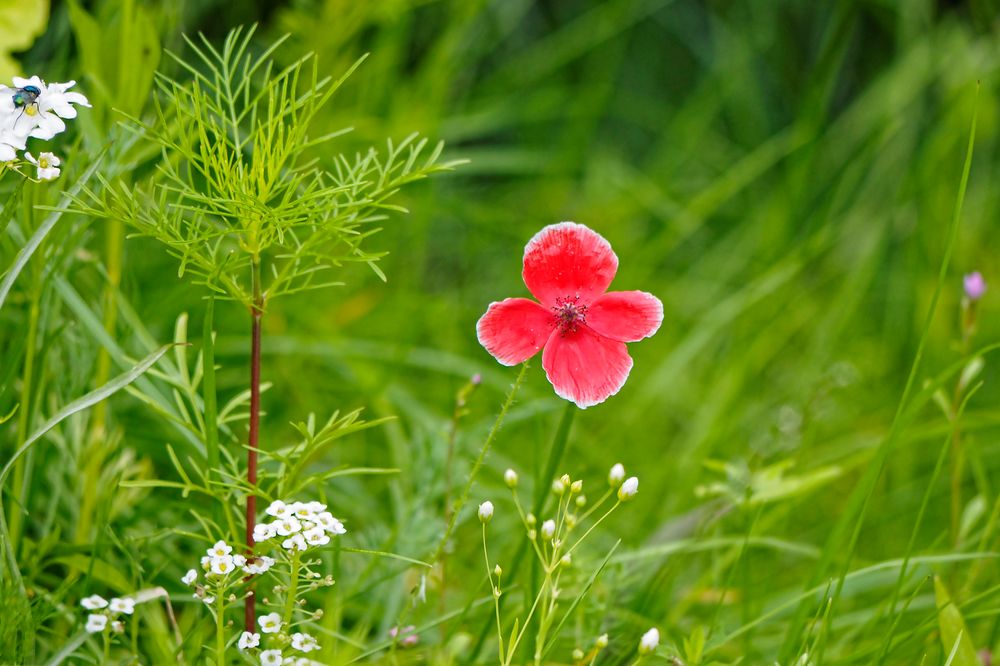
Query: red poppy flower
point(583, 330)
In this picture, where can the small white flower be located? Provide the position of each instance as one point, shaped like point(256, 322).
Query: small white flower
point(223, 565)
point(304, 642)
point(206, 562)
point(278, 509)
point(329, 523)
point(270, 623)
point(208, 600)
point(486, 512)
point(124, 605)
point(297, 661)
point(510, 478)
point(263, 531)
point(47, 165)
point(317, 536)
point(248, 640)
point(602, 641)
point(294, 542)
point(93, 602)
point(190, 577)
point(118, 627)
point(270, 658)
point(239, 560)
point(628, 489)
point(96, 623)
point(616, 475)
point(286, 526)
point(220, 549)
point(649, 641)
point(548, 529)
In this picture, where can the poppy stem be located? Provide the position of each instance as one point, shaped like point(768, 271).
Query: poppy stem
point(257, 313)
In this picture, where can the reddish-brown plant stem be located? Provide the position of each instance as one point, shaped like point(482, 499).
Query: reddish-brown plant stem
point(256, 313)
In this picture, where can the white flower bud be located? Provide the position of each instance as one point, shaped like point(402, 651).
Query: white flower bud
point(576, 487)
point(557, 487)
point(531, 520)
point(548, 529)
point(566, 560)
point(628, 489)
point(649, 642)
point(497, 571)
point(616, 475)
point(532, 534)
point(578, 654)
point(485, 512)
point(581, 501)
point(601, 642)
point(510, 478)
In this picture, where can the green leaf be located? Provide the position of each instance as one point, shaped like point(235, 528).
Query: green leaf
point(954, 634)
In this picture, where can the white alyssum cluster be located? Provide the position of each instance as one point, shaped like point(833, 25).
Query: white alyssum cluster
point(301, 524)
point(272, 625)
point(104, 613)
point(218, 563)
point(35, 109)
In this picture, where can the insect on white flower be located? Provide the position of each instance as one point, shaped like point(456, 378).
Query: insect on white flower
point(248, 640)
point(190, 577)
point(36, 109)
point(304, 642)
point(124, 605)
point(96, 623)
point(94, 601)
point(270, 623)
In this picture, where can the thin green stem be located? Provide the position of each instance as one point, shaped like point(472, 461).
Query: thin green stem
point(24, 421)
point(593, 527)
point(464, 498)
point(220, 628)
point(495, 591)
point(256, 313)
point(293, 588)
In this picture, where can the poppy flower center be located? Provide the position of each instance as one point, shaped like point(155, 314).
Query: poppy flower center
point(570, 314)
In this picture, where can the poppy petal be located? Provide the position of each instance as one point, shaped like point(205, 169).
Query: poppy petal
point(568, 261)
point(625, 315)
point(584, 367)
point(514, 329)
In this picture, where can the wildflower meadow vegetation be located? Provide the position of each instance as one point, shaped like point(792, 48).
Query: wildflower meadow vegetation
point(499, 332)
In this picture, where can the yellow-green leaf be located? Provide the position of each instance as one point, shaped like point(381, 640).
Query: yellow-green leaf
point(954, 634)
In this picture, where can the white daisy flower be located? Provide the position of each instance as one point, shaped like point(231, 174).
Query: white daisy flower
point(286, 526)
point(220, 549)
point(124, 605)
point(278, 509)
point(294, 542)
point(329, 523)
point(304, 642)
point(270, 623)
point(270, 658)
point(248, 640)
point(47, 165)
point(263, 531)
point(317, 536)
point(223, 565)
point(96, 623)
point(94, 601)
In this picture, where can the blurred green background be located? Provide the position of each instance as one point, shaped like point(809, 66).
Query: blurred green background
point(781, 174)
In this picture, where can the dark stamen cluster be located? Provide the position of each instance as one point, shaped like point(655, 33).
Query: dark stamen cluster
point(570, 314)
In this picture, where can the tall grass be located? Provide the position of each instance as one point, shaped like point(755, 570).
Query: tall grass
point(783, 175)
